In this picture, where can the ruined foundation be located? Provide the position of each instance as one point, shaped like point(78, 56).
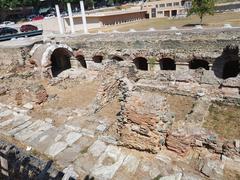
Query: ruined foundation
point(145, 107)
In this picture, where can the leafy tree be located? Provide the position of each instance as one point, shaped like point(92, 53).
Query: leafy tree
point(9, 4)
point(201, 8)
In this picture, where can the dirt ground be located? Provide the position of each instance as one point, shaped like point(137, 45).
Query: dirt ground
point(224, 120)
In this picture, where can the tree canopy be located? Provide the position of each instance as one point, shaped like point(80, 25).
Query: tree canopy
point(88, 3)
point(201, 8)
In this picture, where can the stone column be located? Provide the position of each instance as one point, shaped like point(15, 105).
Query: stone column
point(210, 66)
point(181, 66)
point(85, 29)
point(60, 23)
point(75, 64)
point(70, 18)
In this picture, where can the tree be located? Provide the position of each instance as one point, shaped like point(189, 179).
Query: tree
point(201, 8)
point(9, 4)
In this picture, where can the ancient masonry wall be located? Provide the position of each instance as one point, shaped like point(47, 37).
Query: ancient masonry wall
point(149, 121)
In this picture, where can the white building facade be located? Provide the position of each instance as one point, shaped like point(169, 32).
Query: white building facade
point(167, 8)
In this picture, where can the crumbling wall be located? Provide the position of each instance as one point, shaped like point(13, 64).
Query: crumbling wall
point(147, 121)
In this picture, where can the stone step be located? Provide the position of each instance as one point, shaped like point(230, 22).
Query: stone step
point(32, 130)
point(18, 128)
point(14, 123)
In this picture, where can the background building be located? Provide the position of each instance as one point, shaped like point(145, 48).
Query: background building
point(167, 8)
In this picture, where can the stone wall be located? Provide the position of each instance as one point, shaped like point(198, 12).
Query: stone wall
point(168, 109)
point(13, 56)
point(182, 46)
point(214, 47)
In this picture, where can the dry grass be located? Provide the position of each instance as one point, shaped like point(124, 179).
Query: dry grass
point(224, 120)
point(218, 20)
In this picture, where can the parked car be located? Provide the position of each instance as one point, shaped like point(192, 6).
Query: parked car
point(7, 23)
point(28, 27)
point(7, 30)
point(49, 16)
point(39, 17)
point(29, 18)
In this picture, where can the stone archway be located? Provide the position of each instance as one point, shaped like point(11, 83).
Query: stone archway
point(97, 58)
point(51, 58)
point(167, 64)
point(82, 61)
point(141, 63)
point(198, 63)
point(60, 61)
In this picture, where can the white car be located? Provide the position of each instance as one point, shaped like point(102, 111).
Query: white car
point(7, 23)
point(49, 16)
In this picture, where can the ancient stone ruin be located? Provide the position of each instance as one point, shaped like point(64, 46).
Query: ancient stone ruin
point(136, 105)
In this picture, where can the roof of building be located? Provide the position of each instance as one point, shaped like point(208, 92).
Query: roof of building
point(110, 13)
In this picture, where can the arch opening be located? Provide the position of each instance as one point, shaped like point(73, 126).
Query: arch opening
point(167, 64)
point(117, 58)
point(97, 59)
point(141, 63)
point(82, 61)
point(60, 61)
point(198, 63)
point(231, 69)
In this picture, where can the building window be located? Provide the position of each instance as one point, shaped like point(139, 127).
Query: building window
point(169, 4)
point(187, 4)
point(161, 5)
point(176, 3)
point(160, 12)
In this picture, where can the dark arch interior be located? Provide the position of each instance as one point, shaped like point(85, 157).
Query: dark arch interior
point(198, 63)
point(141, 63)
point(167, 64)
point(82, 61)
point(231, 69)
point(60, 59)
point(117, 58)
point(97, 59)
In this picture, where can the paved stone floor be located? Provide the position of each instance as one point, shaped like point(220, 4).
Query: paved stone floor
point(81, 149)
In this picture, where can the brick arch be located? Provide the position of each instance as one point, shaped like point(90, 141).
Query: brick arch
point(197, 63)
point(141, 63)
point(60, 60)
point(167, 64)
point(46, 56)
point(98, 58)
